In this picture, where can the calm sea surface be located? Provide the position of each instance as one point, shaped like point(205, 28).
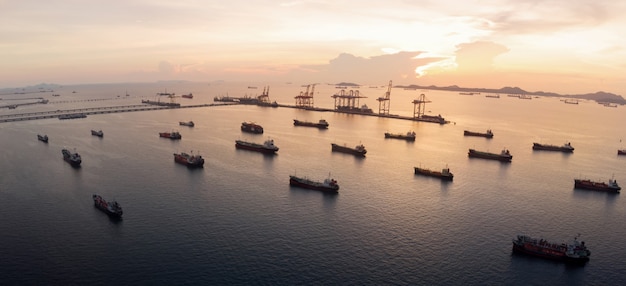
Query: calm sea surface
point(238, 222)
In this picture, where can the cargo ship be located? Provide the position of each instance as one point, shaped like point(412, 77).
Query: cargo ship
point(267, 147)
point(98, 133)
point(358, 150)
point(251, 127)
point(113, 209)
point(575, 252)
point(174, 135)
point(621, 152)
point(487, 134)
point(444, 174)
point(329, 185)
point(567, 147)
point(73, 158)
point(409, 136)
point(42, 138)
point(611, 186)
point(190, 95)
point(504, 156)
point(321, 124)
point(188, 123)
point(192, 161)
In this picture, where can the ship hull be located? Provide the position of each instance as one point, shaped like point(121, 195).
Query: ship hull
point(170, 136)
point(255, 147)
point(347, 150)
point(477, 134)
point(101, 204)
point(542, 147)
point(296, 182)
point(556, 256)
point(310, 124)
point(197, 163)
point(436, 174)
point(594, 186)
point(490, 156)
point(399, 136)
point(251, 128)
point(621, 152)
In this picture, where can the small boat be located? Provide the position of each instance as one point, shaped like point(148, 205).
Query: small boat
point(444, 174)
point(504, 156)
point(328, 185)
point(190, 95)
point(73, 158)
point(621, 152)
point(174, 135)
point(113, 209)
point(192, 161)
point(267, 147)
point(571, 101)
point(409, 136)
point(487, 134)
point(188, 123)
point(567, 147)
point(42, 138)
point(358, 150)
point(493, 96)
point(321, 124)
point(97, 133)
point(611, 186)
point(574, 252)
point(251, 127)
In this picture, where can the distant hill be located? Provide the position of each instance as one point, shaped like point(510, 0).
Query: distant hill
point(599, 96)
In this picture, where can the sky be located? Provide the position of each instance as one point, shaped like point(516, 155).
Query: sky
point(563, 46)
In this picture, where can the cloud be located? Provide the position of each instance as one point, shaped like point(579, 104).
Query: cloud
point(477, 56)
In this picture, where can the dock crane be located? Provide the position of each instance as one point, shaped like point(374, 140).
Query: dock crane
point(419, 106)
point(385, 102)
point(305, 99)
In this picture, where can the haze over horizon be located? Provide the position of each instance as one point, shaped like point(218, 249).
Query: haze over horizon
point(567, 47)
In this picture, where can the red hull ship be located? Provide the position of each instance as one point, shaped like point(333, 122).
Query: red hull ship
point(251, 128)
point(113, 209)
point(171, 135)
point(328, 185)
point(187, 95)
point(611, 186)
point(192, 161)
point(575, 252)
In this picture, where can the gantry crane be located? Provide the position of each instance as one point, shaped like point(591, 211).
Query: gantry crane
point(385, 102)
point(419, 106)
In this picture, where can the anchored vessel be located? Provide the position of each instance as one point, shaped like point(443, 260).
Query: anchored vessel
point(190, 95)
point(487, 134)
point(171, 135)
point(567, 147)
point(504, 156)
point(444, 174)
point(113, 209)
point(358, 150)
point(409, 136)
point(188, 123)
point(267, 147)
point(192, 161)
point(321, 124)
point(98, 133)
point(621, 152)
point(611, 186)
point(73, 158)
point(251, 127)
point(42, 138)
point(328, 185)
point(575, 252)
